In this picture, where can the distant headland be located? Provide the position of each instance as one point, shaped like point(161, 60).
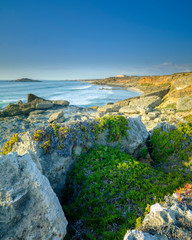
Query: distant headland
point(25, 80)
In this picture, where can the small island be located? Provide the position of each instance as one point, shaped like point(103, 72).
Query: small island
point(25, 80)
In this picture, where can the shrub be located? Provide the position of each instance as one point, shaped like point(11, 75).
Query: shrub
point(9, 144)
point(108, 190)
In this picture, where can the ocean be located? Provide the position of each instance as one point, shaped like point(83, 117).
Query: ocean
point(82, 94)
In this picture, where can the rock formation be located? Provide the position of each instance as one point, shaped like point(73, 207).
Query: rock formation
point(29, 209)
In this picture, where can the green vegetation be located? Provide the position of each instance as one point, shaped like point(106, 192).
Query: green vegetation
point(9, 144)
point(173, 143)
point(117, 126)
point(108, 190)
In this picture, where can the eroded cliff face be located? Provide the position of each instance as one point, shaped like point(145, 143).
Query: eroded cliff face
point(172, 87)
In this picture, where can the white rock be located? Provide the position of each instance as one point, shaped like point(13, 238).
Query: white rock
point(29, 208)
point(55, 116)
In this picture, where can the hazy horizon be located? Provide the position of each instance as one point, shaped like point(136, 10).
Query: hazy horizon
point(70, 40)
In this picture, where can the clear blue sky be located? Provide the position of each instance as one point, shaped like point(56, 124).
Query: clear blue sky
point(76, 39)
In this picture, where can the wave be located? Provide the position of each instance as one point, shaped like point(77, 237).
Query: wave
point(80, 88)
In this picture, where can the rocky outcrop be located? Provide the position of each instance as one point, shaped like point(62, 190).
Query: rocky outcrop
point(33, 103)
point(172, 220)
point(29, 209)
point(56, 164)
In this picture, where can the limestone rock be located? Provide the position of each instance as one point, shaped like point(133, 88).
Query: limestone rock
point(44, 105)
point(138, 235)
point(184, 104)
point(109, 108)
point(60, 102)
point(129, 110)
point(55, 116)
point(137, 136)
point(31, 98)
point(29, 208)
point(146, 101)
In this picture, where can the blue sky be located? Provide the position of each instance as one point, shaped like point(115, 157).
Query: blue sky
point(76, 39)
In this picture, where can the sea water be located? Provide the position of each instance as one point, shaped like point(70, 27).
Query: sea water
point(83, 94)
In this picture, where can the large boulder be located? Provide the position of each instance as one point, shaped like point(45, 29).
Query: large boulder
point(109, 108)
point(29, 209)
point(146, 101)
point(60, 102)
point(31, 98)
point(44, 105)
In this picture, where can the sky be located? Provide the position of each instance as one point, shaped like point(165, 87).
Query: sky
point(89, 39)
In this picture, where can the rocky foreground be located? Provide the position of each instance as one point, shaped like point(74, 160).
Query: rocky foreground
point(43, 138)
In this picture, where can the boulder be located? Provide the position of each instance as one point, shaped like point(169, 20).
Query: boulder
point(60, 102)
point(44, 105)
point(55, 116)
point(137, 136)
point(146, 101)
point(109, 108)
point(184, 104)
point(129, 110)
point(33, 98)
point(29, 208)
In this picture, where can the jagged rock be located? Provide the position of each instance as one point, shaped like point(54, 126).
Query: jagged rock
point(137, 135)
point(29, 208)
point(146, 101)
point(138, 235)
point(184, 104)
point(129, 110)
point(55, 116)
point(33, 98)
point(109, 108)
point(56, 164)
point(153, 115)
point(44, 105)
point(60, 102)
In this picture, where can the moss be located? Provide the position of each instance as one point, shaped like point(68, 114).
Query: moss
point(108, 186)
point(9, 144)
point(117, 126)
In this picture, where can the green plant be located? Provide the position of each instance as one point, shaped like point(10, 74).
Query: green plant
point(39, 135)
point(46, 146)
point(175, 142)
point(9, 144)
point(143, 152)
point(117, 125)
point(55, 128)
point(108, 186)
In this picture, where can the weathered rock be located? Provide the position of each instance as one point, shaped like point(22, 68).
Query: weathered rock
point(60, 102)
point(29, 208)
point(109, 108)
point(138, 235)
point(55, 116)
point(137, 136)
point(184, 104)
point(33, 98)
point(153, 115)
point(172, 220)
point(129, 110)
point(146, 101)
point(44, 105)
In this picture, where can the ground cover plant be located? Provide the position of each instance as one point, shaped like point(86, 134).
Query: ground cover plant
point(108, 190)
point(172, 149)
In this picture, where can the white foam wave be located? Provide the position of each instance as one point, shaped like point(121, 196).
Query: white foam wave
point(80, 88)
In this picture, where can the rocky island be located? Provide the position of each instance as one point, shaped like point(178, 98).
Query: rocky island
point(26, 80)
point(120, 171)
